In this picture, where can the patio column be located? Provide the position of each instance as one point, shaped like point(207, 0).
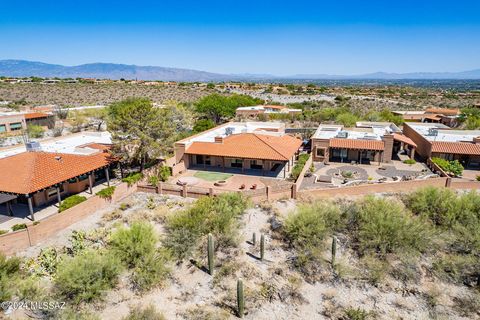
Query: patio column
point(412, 153)
point(30, 207)
point(59, 198)
point(107, 175)
point(380, 157)
point(9, 208)
point(223, 163)
point(90, 183)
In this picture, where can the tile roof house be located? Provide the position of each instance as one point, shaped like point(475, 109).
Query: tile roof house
point(438, 140)
point(38, 177)
point(367, 142)
point(253, 111)
point(261, 148)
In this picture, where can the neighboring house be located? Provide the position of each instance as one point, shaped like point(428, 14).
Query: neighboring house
point(260, 148)
point(445, 116)
point(12, 121)
point(40, 119)
point(367, 142)
point(254, 111)
point(438, 140)
point(36, 177)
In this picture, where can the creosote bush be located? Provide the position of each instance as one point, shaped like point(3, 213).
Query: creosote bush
point(85, 277)
point(216, 215)
point(9, 275)
point(137, 248)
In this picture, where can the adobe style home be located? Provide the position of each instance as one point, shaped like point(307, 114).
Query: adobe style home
point(438, 140)
point(16, 121)
point(445, 116)
point(41, 174)
point(253, 111)
point(259, 148)
point(366, 143)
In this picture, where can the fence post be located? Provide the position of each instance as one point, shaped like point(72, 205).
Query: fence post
point(210, 192)
point(294, 191)
point(160, 188)
point(267, 190)
point(448, 182)
point(184, 193)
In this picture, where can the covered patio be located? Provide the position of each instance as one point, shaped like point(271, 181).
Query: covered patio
point(357, 151)
point(37, 179)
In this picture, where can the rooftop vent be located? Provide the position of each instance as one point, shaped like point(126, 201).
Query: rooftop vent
point(342, 134)
point(369, 136)
point(229, 131)
point(58, 158)
point(328, 129)
point(433, 132)
point(33, 146)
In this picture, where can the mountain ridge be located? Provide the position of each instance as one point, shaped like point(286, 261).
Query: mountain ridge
point(25, 68)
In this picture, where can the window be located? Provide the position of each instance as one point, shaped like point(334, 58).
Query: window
point(208, 161)
point(3, 128)
point(256, 164)
point(15, 126)
point(237, 163)
point(320, 152)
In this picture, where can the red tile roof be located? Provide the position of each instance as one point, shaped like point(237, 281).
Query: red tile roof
point(28, 172)
point(404, 139)
point(357, 144)
point(249, 145)
point(444, 111)
point(456, 147)
point(36, 115)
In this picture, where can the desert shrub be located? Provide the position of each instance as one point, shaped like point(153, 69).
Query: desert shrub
point(9, 274)
point(48, 261)
point(124, 206)
point(454, 167)
point(457, 268)
point(347, 119)
point(132, 244)
point(152, 271)
point(106, 193)
point(218, 216)
point(153, 180)
point(409, 161)
point(433, 203)
point(71, 202)
point(84, 278)
point(144, 313)
point(374, 269)
point(75, 314)
point(133, 178)
point(306, 230)
point(3, 232)
point(164, 173)
point(357, 314)
point(383, 226)
point(35, 131)
point(19, 226)
point(298, 167)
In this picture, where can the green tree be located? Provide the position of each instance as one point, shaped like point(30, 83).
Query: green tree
point(347, 119)
point(140, 131)
point(216, 106)
point(202, 125)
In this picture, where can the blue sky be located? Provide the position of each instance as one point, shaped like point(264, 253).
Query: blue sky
point(276, 37)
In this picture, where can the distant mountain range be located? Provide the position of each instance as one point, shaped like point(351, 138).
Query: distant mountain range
point(23, 68)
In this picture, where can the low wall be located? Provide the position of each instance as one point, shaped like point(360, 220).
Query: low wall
point(465, 185)
point(402, 186)
point(13, 242)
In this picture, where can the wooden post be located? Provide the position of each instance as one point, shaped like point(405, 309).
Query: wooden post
point(160, 189)
point(184, 192)
point(210, 192)
point(448, 182)
point(9, 209)
point(107, 175)
point(59, 198)
point(268, 193)
point(30, 207)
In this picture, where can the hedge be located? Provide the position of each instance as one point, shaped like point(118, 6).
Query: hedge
point(71, 202)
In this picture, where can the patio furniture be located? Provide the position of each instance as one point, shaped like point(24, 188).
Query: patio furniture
point(242, 186)
point(253, 187)
point(324, 178)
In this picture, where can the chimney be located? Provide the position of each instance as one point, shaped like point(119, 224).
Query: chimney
point(218, 139)
point(476, 140)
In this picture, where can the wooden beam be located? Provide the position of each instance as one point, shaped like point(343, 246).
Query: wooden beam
point(59, 198)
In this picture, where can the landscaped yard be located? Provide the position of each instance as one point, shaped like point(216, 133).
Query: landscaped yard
point(212, 176)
